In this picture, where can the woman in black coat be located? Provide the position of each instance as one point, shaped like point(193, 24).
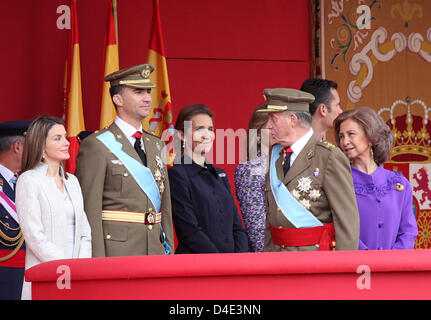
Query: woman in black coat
point(205, 216)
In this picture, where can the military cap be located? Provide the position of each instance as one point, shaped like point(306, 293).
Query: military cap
point(136, 77)
point(14, 128)
point(283, 99)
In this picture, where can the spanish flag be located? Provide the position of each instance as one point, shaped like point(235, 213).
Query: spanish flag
point(74, 116)
point(107, 113)
point(160, 120)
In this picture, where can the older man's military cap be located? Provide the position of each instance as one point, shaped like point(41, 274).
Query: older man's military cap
point(283, 99)
point(14, 128)
point(136, 77)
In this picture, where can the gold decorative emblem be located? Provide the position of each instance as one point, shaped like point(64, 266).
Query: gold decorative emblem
point(399, 187)
point(314, 194)
point(146, 72)
point(158, 176)
point(328, 145)
point(305, 203)
point(296, 194)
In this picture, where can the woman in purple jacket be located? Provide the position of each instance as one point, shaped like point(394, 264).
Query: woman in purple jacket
point(384, 197)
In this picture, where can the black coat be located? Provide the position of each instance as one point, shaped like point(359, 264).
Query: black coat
point(205, 216)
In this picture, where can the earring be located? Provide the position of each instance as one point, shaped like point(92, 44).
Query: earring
point(183, 144)
point(43, 155)
point(372, 153)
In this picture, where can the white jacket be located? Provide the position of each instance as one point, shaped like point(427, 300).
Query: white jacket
point(42, 218)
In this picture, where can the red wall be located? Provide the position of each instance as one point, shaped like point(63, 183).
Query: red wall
point(220, 53)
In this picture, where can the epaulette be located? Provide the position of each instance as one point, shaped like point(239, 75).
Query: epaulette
point(151, 134)
point(327, 145)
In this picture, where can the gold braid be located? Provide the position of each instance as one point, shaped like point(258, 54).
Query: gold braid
point(14, 251)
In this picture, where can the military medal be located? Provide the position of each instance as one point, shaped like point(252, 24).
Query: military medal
point(304, 184)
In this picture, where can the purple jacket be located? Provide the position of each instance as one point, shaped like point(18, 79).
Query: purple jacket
point(385, 203)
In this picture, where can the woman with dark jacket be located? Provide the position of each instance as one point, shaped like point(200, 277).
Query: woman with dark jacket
point(205, 216)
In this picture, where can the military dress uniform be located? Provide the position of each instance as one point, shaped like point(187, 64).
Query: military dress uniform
point(320, 181)
point(12, 245)
point(123, 219)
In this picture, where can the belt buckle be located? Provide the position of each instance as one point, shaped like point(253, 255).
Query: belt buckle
point(150, 217)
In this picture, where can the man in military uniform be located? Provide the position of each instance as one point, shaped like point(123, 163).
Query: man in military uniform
point(12, 246)
point(326, 106)
point(123, 175)
point(309, 190)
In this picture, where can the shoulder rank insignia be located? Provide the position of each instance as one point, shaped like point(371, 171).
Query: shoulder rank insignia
point(328, 145)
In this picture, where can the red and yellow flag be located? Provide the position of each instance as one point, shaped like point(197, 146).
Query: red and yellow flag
point(160, 120)
point(74, 115)
point(107, 113)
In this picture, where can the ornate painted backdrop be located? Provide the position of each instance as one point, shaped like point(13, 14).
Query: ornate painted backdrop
point(380, 56)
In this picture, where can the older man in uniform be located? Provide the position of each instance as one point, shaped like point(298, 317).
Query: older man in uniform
point(12, 246)
point(309, 190)
point(123, 175)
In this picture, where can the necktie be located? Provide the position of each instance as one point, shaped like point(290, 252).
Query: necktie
point(13, 180)
point(287, 154)
point(138, 147)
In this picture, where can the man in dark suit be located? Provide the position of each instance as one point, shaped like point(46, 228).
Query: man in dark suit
point(309, 190)
point(123, 175)
point(12, 246)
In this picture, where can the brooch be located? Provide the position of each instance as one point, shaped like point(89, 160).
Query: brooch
point(399, 187)
point(316, 172)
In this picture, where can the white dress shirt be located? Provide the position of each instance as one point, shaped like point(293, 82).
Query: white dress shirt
point(299, 145)
point(129, 131)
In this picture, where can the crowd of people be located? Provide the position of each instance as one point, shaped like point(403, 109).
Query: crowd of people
point(296, 191)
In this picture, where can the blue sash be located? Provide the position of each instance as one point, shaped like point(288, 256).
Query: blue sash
point(291, 208)
point(140, 173)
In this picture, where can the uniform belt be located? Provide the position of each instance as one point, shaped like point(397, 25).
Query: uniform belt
point(14, 260)
point(127, 216)
point(324, 236)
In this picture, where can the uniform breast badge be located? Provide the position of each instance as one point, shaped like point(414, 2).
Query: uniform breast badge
point(304, 184)
point(158, 176)
point(304, 192)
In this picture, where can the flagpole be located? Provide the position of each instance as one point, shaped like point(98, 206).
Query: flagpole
point(114, 11)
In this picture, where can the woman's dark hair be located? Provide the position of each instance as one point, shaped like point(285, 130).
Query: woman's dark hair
point(186, 114)
point(376, 130)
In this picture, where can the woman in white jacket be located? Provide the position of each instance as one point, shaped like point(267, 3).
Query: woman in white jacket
point(48, 200)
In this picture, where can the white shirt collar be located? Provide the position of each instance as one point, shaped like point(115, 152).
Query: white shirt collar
point(127, 129)
point(300, 144)
point(7, 174)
